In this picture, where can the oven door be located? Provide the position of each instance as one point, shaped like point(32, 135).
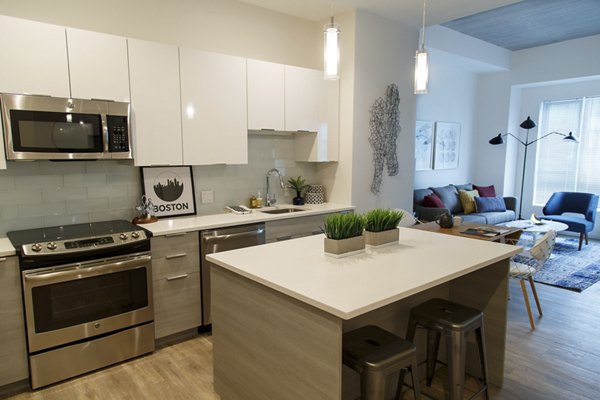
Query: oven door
point(72, 302)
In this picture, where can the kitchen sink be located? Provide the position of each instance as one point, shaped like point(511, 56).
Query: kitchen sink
point(283, 210)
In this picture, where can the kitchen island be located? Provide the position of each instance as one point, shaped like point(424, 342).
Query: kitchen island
point(279, 310)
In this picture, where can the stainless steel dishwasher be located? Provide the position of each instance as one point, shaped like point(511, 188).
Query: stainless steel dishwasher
point(223, 239)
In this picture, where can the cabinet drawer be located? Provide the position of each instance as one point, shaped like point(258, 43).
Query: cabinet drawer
point(186, 242)
point(177, 304)
point(176, 262)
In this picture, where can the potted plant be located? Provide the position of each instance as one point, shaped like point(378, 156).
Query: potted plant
point(344, 234)
point(381, 226)
point(298, 184)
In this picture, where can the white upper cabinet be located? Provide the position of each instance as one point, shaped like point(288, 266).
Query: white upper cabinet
point(214, 108)
point(155, 103)
point(34, 58)
point(302, 87)
point(98, 65)
point(266, 95)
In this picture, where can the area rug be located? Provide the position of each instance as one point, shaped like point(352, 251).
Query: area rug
point(569, 268)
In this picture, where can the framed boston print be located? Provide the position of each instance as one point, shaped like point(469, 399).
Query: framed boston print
point(424, 145)
point(447, 145)
point(171, 190)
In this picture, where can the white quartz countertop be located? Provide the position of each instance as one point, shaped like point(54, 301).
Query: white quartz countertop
point(224, 219)
point(351, 286)
point(6, 248)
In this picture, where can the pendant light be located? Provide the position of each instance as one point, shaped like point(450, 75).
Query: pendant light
point(422, 63)
point(332, 49)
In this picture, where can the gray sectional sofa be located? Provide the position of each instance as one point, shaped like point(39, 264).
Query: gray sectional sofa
point(449, 195)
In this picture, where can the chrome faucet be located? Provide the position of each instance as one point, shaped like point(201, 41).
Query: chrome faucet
point(272, 200)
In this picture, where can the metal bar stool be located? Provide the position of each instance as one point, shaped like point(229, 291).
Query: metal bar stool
point(454, 321)
point(375, 354)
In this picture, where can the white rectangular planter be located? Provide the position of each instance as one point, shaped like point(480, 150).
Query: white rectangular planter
point(384, 238)
point(344, 247)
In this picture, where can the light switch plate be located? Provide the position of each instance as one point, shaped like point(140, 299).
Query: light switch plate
point(207, 196)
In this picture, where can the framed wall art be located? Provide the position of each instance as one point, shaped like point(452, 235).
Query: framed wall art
point(447, 145)
point(424, 145)
point(171, 190)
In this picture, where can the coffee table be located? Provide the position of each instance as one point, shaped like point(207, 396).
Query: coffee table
point(509, 234)
point(542, 227)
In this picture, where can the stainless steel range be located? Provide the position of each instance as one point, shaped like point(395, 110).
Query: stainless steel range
point(87, 295)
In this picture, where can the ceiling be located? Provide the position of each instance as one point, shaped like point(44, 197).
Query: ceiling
point(511, 24)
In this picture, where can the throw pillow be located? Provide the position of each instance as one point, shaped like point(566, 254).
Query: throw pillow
point(433, 201)
point(489, 204)
point(467, 199)
point(485, 191)
point(449, 197)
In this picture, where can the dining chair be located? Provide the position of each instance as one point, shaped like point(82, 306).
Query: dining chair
point(527, 263)
point(408, 219)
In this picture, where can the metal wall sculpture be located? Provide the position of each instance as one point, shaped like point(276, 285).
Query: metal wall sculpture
point(385, 127)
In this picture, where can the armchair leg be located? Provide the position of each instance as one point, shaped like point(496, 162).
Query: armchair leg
point(524, 289)
point(535, 296)
point(581, 235)
point(586, 239)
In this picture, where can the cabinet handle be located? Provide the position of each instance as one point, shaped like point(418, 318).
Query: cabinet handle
point(175, 234)
point(303, 130)
point(2, 259)
point(174, 278)
point(172, 256)
point(281, 238)
point(267, 129)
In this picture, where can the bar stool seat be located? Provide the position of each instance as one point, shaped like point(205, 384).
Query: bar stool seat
point(375, 354)
point(454, 321)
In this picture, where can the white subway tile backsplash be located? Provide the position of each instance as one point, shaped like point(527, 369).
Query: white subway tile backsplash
point(63, 194)
point(41, 210)
point(22, 196)
point(85, 180)
point(54, 220)
point(106, 191)
point(38, 181)
point(9, 211)
point(7, 183)
point(87, 205)
point(61, 168)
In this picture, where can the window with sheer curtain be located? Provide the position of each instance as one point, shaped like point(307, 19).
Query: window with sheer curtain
point(564, 166)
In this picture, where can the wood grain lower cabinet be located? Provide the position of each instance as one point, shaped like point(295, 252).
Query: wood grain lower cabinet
point(292, 228)
point(13, 351)
point(176, 283)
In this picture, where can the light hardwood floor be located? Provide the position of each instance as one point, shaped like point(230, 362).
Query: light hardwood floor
point(559, 360)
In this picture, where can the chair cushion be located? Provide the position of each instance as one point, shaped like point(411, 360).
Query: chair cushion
point(489, 204)
point(449, 197)
point(433, 201)
point(467, 200)
point(576, 224)
point(485, 191)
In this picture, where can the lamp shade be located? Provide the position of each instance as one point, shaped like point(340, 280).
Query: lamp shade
point(527, 124)
point(497, 140)
point(570, 138)
point(332, 51)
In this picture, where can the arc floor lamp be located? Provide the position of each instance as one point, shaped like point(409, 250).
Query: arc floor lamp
point(527, 125)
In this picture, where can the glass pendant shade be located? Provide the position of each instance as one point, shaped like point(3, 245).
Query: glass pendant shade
point(421, 71)
point(332, 51)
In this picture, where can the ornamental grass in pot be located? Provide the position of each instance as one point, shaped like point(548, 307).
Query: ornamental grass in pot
point(381, 227)
point(344, 234)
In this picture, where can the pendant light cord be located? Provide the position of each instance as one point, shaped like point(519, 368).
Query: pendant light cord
point(423, 30)
point(331, 11)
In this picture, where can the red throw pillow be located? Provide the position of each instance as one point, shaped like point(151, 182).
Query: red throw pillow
point(433, 201)
point(485, 191)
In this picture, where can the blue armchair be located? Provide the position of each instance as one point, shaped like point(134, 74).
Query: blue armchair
point(576, 203)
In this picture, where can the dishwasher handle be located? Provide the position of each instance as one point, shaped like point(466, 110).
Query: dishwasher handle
point(219, 238)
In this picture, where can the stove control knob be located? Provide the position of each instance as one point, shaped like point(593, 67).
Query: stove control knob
point(135, 235)
point(51, 246)
point(123, 236)
point(36, 247)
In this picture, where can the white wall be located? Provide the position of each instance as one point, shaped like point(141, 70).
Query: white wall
point(384, 55)
point(223, 26)
point(451, 97)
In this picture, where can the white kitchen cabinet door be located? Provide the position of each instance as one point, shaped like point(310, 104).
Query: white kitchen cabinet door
point(98, 65)
point(266, 96)
point(155, 103)
point(301, 98)
point(323, 145)
point(214, 108)
point(34, 58)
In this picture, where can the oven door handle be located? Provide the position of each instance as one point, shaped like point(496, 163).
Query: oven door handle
point(81, 271)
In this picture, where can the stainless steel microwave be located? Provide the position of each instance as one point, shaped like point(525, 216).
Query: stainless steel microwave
point(53, 128)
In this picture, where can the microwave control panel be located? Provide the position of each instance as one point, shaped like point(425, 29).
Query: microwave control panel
point(118, 133)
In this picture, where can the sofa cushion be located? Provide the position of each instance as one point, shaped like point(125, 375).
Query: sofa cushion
point(419, 195)
point(464, 186)
point(489, 204)
point(449, 197)
point(433, 201)
point(473, 218)
point(494, 218)
point(486, 191)
point(467, 200)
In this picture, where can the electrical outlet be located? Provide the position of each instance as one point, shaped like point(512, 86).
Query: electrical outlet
point(207, 196)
